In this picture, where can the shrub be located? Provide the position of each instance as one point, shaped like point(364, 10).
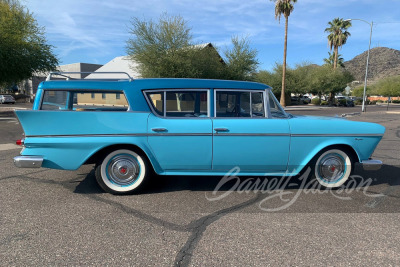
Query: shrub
point(324, 103)
point(371, 102)
point(316, 101)
point(396, 101)
point(358, 102)
point(380, 101)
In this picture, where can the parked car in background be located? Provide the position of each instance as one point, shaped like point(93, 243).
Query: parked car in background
point(305, 99)
point(344, 101)
point(295, 100)
point(7, 99)
point(131, 129)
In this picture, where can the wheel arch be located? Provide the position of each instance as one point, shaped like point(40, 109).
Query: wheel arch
point(352, 153)
point(311, 156)
point(102, 152)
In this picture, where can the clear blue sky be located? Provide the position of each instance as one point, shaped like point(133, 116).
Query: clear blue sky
point(95, 31)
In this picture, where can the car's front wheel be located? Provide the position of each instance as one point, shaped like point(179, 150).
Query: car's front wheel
point(332, 167)
point(121, 171)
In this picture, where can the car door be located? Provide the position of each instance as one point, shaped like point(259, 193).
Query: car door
point(243, 135)
point(180, 129)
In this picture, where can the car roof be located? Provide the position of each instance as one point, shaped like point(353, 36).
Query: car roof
point(151, 83)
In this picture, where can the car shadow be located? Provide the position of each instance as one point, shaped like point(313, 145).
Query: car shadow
point(161, 184)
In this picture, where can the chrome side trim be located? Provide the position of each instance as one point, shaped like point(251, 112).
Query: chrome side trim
point(371, 164)
point(180, 134)
point(251, 134)
point(121, 135)
point(325, 135)
point(28, 161)
point(201, 134)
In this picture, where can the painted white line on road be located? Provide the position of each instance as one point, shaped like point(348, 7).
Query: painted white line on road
point(9, 147)
point(7, 118)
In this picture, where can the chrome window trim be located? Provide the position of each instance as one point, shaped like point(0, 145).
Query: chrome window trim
point(238, 90)
point(145, 91)
point(269, 115)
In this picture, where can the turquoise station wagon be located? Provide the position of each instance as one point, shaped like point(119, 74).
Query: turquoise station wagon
point(132, 128)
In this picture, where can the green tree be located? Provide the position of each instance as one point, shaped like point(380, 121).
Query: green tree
point(331, 60)
point(338, 35)
point(387, 87)
point(165, 48)
point(359, 91)
point(302, 75)
point(325, 80)
point(241, 60)
point(273, 78)
point(23, 46)
point(285, 8)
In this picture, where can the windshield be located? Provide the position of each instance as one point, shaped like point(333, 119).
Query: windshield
point(275, 108)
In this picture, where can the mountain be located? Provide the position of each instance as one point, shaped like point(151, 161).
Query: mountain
point(383, 62)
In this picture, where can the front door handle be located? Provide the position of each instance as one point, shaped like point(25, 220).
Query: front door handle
point(221, 129)
point(158, 130)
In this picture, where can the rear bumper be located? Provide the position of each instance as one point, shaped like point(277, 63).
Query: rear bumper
point(28, 161)
point(371, 164)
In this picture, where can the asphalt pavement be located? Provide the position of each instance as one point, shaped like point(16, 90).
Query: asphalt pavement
point(51, 217)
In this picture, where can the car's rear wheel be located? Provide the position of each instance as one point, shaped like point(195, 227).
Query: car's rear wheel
point(332, 167)
point(122, 171)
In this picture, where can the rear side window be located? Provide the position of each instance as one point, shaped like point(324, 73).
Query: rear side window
point(186, 104)
point(84, 101)
point(179, 103)
point(110, 101)
point(54, 100)
point(157, 102)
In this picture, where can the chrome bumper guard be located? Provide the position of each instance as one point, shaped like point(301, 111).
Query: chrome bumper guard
point(28, 161)
point(371, 164)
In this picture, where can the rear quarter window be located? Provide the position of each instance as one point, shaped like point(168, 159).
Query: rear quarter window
point(84, 101)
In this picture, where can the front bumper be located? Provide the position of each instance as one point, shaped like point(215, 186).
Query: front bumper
point(28, 161)
point(371, 164)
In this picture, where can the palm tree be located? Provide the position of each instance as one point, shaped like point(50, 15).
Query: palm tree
point(331, 60)
point(285, 8)
point(338, 35)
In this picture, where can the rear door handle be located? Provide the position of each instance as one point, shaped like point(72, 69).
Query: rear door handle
point(221, 129)
point(158, 130)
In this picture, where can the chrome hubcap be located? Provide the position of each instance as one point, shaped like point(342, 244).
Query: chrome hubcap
point(123, 170)
point(332, 167)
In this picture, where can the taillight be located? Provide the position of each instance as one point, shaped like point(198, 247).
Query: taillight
point(20, 142)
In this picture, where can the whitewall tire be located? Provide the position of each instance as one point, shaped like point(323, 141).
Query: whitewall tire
point(121, 171)
point(332, 168)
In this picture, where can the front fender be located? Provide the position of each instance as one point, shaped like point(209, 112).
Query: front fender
point(304, 149)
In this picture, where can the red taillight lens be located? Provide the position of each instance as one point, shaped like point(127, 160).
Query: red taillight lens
point(20, 142)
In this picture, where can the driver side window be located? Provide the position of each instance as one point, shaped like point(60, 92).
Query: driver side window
point(239, 104)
